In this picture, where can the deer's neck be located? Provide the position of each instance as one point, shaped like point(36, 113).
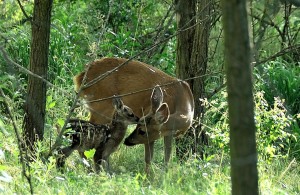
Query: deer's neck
point(118, 127)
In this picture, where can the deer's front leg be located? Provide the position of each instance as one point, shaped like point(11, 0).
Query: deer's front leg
point(148, 156)
point(168, 148)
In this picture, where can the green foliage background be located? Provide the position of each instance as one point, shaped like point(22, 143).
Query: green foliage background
point(82, 31)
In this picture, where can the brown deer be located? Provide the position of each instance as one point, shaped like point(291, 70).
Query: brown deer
point(105, 138)
point(150, 128)
point(135, 80)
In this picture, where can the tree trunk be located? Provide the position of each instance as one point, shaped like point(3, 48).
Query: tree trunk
point(191, 61)
point(243, 154)
point(36, 93)
point(198, 68)
point(186, 19)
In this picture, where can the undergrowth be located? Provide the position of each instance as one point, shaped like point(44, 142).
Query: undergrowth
point(194, 176)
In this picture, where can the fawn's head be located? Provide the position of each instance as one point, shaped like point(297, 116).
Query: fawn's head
point(123, 113)
point(149, 126)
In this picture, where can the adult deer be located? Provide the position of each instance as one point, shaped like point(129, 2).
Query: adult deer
point(151, 127)
point(135, 80)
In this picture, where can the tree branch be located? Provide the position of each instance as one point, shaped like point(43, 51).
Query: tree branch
point(11, 62)
point(272, 57)
point(23, 11)
point(26, 71)
point(278, 54)
point(25, 166)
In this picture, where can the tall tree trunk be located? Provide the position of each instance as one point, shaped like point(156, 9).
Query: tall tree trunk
point(243, 154)
point(36, 93)
point(198, 67)
point(186, 19)
point(191, 61)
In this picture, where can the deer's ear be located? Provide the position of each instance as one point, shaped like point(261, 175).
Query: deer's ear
point(156, 98)
point(117, 103)
point(162, 113)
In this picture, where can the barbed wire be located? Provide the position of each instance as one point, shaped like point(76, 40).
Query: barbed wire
point(103, 76)
point(151, 88)
point(97, 79)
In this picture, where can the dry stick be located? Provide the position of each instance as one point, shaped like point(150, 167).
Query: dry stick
point(106, 21)
point(25, 70)
point(10, 61)
point(278, 54)
point(286, 169)
point(103, 76)
point(58, 139)
point(160, 26)
point(161, 30)
point(97, 79)
point(62, 131)
point(22, 159)
point(23, 10)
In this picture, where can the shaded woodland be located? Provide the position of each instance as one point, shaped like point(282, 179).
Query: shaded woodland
point(241, 61)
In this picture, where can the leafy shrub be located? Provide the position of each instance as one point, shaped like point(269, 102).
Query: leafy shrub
point(275, 129)
point(281, 79)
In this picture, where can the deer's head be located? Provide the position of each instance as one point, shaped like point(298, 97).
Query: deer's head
point(149, 126)
point(123, 112)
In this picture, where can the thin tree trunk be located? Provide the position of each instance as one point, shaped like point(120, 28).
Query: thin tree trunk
point(186, 19)
point(36, 93)
point(198, 67)
point(191, 61)
point(243, 154)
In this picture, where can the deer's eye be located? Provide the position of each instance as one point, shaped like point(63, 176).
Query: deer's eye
point(141, 132)
point(130, 114)
point(126, 112)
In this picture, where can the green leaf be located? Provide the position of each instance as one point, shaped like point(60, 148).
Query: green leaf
point(60, 122)
point(89, 154)
point(2, 128)
point(51, 105)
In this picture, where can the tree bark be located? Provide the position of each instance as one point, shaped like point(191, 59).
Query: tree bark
point(243, 154)
point(186, 19)
point(198, 67)
point(191, 61)
point(33, 126)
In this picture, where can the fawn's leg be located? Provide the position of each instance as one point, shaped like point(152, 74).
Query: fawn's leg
point(110, 146)
point(63, 154)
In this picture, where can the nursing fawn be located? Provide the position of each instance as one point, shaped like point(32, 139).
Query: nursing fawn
point(104, 138)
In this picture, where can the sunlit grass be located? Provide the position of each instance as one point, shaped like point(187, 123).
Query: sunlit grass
point(194, 176)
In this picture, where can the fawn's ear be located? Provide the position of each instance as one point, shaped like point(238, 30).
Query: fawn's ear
point(117, 103)
point(162, 113)
point(156, 98)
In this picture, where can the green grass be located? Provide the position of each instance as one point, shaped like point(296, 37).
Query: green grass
point(74, 38)
point(127, 166)
point(278, 175)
